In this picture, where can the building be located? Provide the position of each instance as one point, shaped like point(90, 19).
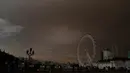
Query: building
point(104, 64)
point(114, 63)
point(106, 54)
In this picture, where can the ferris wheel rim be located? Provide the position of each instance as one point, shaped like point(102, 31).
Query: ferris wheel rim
point(94, 48)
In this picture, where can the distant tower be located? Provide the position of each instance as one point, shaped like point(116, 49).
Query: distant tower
point(107, 54)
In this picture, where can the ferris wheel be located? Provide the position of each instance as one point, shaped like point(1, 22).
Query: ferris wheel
point(83, 56)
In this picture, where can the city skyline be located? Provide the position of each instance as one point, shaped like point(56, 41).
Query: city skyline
point(53, 28)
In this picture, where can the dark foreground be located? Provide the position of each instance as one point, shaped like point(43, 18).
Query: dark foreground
point(78, 72)
point(119, 71)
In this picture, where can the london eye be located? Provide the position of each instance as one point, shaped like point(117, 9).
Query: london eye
point(84, 56)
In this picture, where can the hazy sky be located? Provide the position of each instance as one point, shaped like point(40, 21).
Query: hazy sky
point(53, 28)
